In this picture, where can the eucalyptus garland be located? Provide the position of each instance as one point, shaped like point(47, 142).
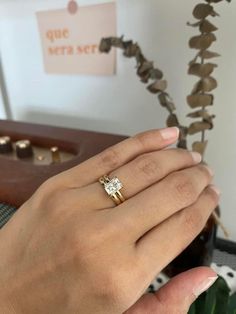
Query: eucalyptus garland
point(201, 66)
point(201, 97)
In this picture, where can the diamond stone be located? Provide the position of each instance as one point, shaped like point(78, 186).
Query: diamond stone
point(113, 186)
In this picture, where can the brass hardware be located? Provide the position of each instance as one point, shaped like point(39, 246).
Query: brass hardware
point(40, 158)
point(56, 158)
point(27, 152)
point(5, 145)
point(24, 149)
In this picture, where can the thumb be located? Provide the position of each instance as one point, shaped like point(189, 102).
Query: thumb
point(177, 295)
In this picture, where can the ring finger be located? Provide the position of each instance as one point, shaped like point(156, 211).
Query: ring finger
point(137, 175)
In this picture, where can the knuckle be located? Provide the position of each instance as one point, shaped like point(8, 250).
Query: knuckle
point(52, 200)
point(184, 188)
point(204, 172)
point(110, 158)
point(140, 139)
point(149, 166)
point(213, 197)
point(143, 139)
point(45, 191)
point(194, 221)
point(49, 186)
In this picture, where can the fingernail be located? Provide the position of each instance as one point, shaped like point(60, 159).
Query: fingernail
point(197, 158)
point(204, 286)
point(209, 170)
point(215, 189)
point(170, 133)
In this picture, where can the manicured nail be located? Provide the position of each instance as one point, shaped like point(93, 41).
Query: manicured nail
point(197, 158)
point(170, 133)
point(209, 170)
point(204, 286)
point(215, 189)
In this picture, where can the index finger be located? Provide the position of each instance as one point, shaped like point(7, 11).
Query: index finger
point(118, 155)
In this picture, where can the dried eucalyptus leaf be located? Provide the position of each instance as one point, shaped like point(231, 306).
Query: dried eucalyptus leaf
point(140, 58)
point(182, 144)
point(165, 102)
point(144, 67)
point(143, 71)
point(200, 100)
point(198, 127)
point(202, 10)
point(105, 45)
point(119, 43)
point(163, 98)
point(204, 115)
point(170, 106)
point(201, 70)
point(194, 24)
point(156, 74)
point(131, 50)
point(200, 147)
point(207, 54)
point(158, 86)
point(183, 132)
point(206, 84)
point(197, 114)
point(145, 77)
point(207, 27)
point(202, 42)
point(201, 114)
point(172, 120)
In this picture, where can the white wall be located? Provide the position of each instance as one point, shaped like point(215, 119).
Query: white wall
point(121, 104)
point(2, 109)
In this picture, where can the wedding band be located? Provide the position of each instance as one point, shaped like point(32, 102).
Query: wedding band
point(112, 187)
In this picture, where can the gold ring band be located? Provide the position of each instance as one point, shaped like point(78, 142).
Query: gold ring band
point(112, 188)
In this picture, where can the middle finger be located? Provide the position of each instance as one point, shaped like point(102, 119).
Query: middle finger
point(149, 208)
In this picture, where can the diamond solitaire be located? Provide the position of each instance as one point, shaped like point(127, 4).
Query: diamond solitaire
point(113, 186)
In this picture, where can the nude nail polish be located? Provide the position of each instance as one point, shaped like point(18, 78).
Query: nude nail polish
point(170, 133)
point(215, 189)
point(197, 158)
point(204, 286)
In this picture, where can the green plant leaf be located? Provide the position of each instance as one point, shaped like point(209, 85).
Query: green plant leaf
point(232, 304)
point(217, 298)
point(214, 301)
point(192, 309)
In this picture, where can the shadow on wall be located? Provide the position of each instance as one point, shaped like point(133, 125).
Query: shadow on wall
point(71, 121)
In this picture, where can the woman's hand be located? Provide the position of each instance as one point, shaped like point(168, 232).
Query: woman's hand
point(70, 250)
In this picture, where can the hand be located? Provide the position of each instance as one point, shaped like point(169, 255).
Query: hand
point(70, 250)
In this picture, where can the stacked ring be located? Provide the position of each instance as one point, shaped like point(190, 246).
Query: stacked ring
point(112, 188)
